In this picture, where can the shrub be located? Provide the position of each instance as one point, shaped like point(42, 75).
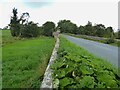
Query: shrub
point(41, 30)
point(110, 40)
point(30, 30)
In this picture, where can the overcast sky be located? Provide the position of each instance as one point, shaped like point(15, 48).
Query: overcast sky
point(78, 11)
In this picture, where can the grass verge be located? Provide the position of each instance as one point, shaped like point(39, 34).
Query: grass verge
point(116, 43)
point(24, 61)
point(75, 67)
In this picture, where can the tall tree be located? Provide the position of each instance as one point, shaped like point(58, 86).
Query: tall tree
point(67, 26)
point(63, 25)
point(109, 32)
point(24, 18)
point(14, 24)
point(81, 30)
point(89, 28)
point(48, 28)
point(99, 30)
point(23, 22)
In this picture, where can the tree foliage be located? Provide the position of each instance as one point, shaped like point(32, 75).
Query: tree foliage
point(97, 30)
point(67, 26)
point(14, 24)
point(81, 30)
point(109, 32)
point(21, 27)
point(89, 29)
point(48, 28)
point(100, 30)
point(30, 30)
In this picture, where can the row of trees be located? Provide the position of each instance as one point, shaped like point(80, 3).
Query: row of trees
point(20, 27)
point(97, 30)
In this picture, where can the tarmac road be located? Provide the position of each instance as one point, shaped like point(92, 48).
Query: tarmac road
point(101, 50)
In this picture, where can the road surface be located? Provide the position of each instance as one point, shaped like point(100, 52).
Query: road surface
point(101, 50)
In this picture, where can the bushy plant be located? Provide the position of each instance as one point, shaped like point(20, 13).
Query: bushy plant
point(110, 40)
point(15, 25)
point(41, 30)
point(48, 28)
point(82, 70)
point(30, 30)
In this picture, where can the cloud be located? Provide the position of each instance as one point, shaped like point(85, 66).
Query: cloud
point(78, 12)
point(36, 4)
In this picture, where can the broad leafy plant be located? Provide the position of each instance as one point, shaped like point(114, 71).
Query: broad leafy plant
point(80, 70)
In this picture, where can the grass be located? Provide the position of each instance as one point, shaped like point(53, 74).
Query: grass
point(7, 38)
point(116, 43)
point(75, 67)
point(24, 61)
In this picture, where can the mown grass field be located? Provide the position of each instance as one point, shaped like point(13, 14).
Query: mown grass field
point(24, 61)
point(75, 67)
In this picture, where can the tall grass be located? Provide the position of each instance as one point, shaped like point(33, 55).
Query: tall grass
point(24, 61)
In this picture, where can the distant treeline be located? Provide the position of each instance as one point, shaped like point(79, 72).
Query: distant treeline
point(99, 30)
point(22, 28)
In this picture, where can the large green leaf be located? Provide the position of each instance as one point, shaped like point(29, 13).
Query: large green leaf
point(87, 81)
point(76, 70)
point(112, 84)
point(86, 70)
point(58, 64)
point(100, 85)
point(56, 83)
point(107, 80)
point(60, 73)
point(66, 81)
point(68, 70)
